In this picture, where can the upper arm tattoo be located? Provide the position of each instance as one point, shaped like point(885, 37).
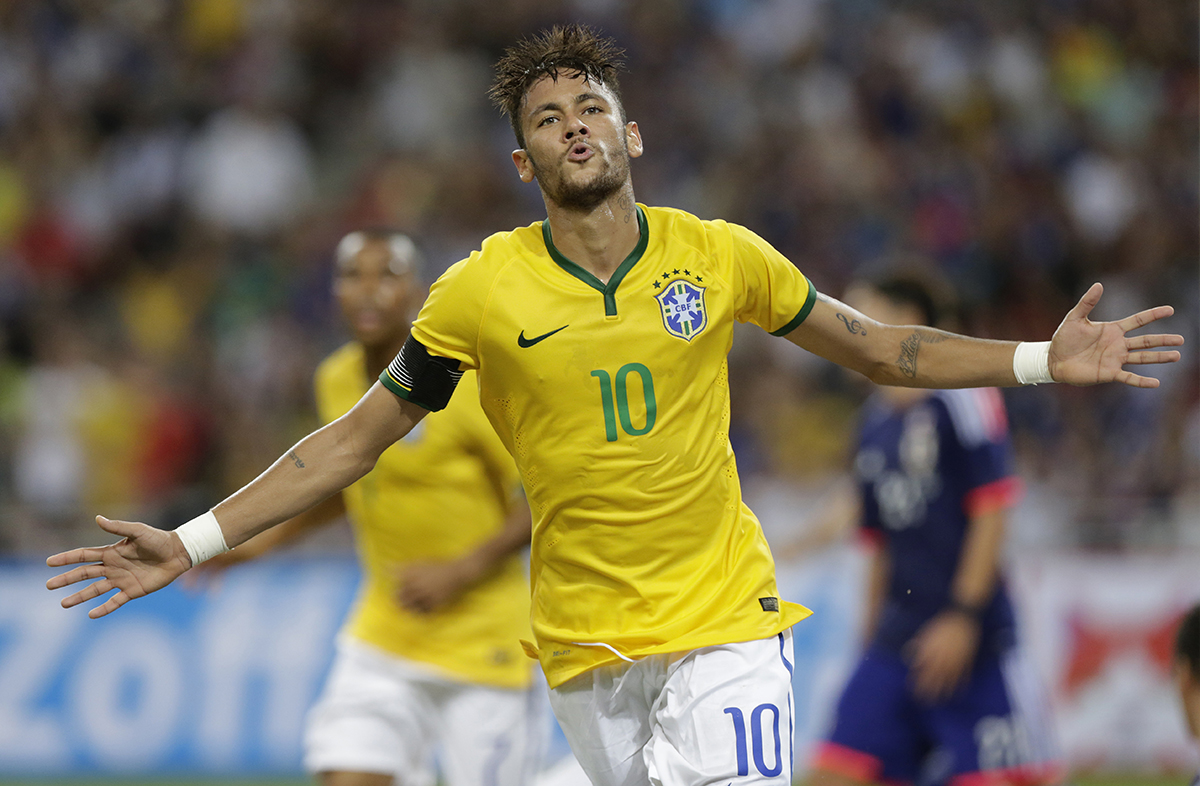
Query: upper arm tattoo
point(907, 362)
point(853, 325)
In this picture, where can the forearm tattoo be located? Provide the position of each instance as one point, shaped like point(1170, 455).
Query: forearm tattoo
point(911, 346)
point(295, 459)
point(853, 325)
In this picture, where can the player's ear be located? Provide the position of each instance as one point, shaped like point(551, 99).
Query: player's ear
point(633, 139)
point(524, 166)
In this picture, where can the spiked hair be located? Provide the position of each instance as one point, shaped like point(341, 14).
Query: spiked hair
point(572, 50)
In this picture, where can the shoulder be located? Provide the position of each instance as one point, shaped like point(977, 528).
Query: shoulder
point(494, 255)
point(711, 237)
point(501, 248)
point(977, 415)
point(681, 223)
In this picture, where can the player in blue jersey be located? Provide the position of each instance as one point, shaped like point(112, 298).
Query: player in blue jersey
point(938, 696)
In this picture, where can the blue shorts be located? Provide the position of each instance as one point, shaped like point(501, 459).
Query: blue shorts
point(994, 730)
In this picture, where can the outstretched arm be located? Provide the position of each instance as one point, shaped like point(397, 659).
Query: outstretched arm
point(295, 528)
point(1082, 352)
point(321, 464)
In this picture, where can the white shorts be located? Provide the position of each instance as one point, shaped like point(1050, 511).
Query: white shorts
point(708, 716)
point(382, 714)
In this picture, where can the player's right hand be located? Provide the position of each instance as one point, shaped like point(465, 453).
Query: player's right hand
point(145, 560)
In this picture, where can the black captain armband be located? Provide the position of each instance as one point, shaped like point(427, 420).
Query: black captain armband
point(424, 379)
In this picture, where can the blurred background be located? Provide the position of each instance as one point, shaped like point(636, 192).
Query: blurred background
point(174, 176)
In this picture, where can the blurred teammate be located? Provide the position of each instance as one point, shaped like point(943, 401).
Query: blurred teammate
point(1187, 672)
point(940, 694)
point(600, 338)
point(431, 656)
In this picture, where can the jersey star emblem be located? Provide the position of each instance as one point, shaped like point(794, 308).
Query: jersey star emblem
point(683, 311)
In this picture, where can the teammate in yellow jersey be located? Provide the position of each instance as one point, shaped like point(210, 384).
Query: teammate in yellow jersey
point(430, 656)
point(655, 613)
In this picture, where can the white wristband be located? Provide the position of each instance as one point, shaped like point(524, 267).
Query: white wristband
point(1031, 362)
point(202, 537)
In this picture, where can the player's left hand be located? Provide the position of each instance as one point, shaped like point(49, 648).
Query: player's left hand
point(941, 654)
point(424, 587)
point(1084, 352)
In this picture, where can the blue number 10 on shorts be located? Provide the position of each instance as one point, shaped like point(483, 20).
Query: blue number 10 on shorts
point(720, 714)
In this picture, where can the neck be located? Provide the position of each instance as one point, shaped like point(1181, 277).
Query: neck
point(379, 356)
point(598, 239)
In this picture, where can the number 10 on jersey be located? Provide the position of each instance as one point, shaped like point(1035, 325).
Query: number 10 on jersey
point(617, 406)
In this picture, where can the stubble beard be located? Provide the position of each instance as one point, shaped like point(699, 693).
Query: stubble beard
point(570, 195)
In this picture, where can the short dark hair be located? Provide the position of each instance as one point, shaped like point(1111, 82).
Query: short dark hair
point(929, 295)
point(573, 50)
point(1187, 641)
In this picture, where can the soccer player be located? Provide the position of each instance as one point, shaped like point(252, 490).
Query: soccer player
point(1187, 672)
point(600, 338)
point(430, 656)
point(939, 695)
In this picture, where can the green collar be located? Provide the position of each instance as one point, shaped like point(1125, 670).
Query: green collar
point(609, 290)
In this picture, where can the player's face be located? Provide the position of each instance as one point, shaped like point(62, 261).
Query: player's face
point(375, 294)
point(576, 145)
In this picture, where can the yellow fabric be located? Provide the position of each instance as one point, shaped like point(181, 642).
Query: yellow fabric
point(435, 495)
point(641, 541)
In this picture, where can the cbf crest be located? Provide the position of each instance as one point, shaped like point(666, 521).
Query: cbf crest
point(683, 310)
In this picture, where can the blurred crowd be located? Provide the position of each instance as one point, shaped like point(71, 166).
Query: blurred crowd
point(174, 177)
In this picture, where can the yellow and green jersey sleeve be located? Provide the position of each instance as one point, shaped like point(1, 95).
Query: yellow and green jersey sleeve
point(435, 495)
point(613, 399)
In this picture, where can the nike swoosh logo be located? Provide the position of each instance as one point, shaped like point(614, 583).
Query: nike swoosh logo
point(529, 342)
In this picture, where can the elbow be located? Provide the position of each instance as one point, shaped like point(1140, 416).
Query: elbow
point(881, 372)
point(877, 373)
point(363, 464)
point(353, 458)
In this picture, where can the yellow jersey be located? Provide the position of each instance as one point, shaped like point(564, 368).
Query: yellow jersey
point(613, 398)
point(434, 495)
